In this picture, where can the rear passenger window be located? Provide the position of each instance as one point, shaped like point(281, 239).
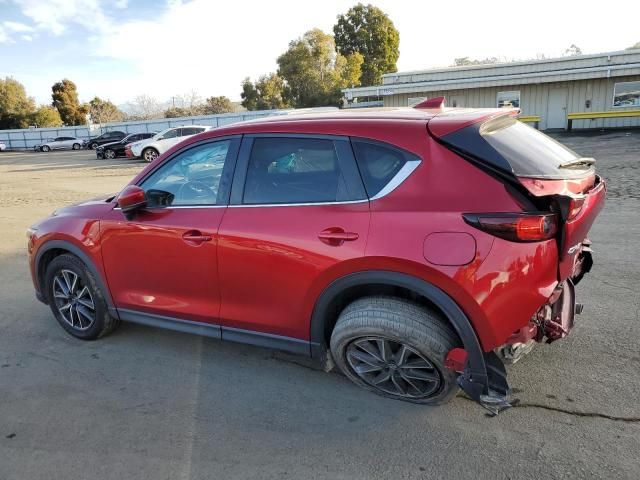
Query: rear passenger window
point(294, 170)
point(378, 164)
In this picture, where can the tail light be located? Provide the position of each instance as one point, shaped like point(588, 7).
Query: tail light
point(515, 227)
point(575, 205)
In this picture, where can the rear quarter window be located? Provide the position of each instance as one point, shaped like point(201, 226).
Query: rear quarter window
point(378, 163)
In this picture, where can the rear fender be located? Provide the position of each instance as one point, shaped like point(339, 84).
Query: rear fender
point(479, 377)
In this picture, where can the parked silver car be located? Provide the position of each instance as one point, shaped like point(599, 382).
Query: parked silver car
point(60, 143)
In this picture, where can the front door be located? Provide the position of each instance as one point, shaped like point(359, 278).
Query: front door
point(163, 261)
point(557, 108)
point(298, 209)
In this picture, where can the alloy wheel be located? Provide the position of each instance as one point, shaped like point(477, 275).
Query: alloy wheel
point(393, 367)
point(73, 300)
point(109, 154)
point(150, 155)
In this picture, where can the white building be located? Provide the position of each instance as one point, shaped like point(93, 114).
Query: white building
point(550, 89)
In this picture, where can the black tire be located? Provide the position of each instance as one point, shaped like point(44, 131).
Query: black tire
point(93, 146)
point(45, 148)
point(150, 154)
point(401, 324)
point(109, 154)
point(102, 322)
point(76, 146)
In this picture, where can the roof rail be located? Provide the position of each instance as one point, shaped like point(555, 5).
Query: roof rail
point(435, 103)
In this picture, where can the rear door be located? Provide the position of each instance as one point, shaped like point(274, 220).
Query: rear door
point(298, 209)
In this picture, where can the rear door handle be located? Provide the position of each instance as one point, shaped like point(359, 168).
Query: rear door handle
point(196, 237)
point(337, 236)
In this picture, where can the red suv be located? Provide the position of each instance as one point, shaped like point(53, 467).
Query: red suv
point(416, 249)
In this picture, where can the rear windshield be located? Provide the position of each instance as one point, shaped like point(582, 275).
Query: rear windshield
point(509, 144)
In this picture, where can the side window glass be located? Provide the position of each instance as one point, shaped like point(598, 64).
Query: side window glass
point(293, 170)
point(191, 178)
point(378, 164)
point(170, 134)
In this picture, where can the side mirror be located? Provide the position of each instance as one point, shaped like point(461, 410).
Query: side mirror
point(131, 199)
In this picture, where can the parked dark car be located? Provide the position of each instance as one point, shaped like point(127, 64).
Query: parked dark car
point(116, 149)
point(107, 137)
point(417, 248)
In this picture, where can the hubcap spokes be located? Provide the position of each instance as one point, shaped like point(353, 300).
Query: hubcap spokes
point(393, 367)
point(73, 300)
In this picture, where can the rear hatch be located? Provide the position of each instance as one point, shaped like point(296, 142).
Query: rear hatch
point(553, 177)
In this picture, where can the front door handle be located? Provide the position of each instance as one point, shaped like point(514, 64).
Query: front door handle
point(337, 236)
point(196, 237)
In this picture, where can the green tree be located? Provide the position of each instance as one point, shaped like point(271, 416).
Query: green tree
point(46, 116)
point(65, 100)
point(267, 93)
point(314, 73)
point(350, 69)
point(174, 112)
point(15, 107)
point(573, 50)
point(103, 111)
point(462, 61)
point(216, 105)
point(369, 31)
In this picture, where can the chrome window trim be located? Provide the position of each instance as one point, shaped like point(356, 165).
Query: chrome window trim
point(406, 170)
point(306, 204)
point(177, 207)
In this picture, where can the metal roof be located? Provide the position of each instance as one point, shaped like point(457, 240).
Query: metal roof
point(579, 67)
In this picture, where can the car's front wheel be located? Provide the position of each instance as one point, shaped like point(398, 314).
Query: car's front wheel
point(109, 154)
point(76, 146)
point(150, 154)
point(76, 300)
point(395, 348)
point(93, 146)
point(45, 148)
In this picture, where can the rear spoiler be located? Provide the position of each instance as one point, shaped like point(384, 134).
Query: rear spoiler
point(449, 120)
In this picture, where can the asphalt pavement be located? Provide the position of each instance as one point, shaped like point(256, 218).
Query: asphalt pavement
point(151, 404)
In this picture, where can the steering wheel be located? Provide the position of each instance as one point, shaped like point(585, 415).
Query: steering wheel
point(195, 192)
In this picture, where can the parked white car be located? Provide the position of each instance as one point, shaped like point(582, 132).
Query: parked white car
point(61, 143)
point(3, 147)
point(151, 148)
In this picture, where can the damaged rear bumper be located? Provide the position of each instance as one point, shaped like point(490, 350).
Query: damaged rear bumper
point(486, 383)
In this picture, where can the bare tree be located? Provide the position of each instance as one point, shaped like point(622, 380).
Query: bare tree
point(187, 102)
point(145, 107)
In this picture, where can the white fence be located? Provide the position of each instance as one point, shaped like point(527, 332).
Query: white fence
point(28, 138)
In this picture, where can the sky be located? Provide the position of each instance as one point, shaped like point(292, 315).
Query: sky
point(119, 49)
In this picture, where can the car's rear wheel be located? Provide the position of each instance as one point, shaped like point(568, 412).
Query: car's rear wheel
point(76, 300)
point(76, 146)
point(93, 146)
point(109, 154)
point(45, 148)
point(395, 348)
point(150, 154)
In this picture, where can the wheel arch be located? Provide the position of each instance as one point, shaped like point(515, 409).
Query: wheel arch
point(55, 248)
point(355, 285)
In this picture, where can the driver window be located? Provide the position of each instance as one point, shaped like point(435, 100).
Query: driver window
point(170, 134)
point(191, 178)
